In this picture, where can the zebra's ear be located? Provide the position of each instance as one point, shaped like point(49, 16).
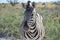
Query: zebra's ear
point(33, 4)
point(24, 5)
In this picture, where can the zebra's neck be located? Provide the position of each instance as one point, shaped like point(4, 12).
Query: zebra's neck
point(33, 31)
point(32, 35)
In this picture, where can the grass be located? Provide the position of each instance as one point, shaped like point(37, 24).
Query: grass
point(11, 19)
point(51, 22)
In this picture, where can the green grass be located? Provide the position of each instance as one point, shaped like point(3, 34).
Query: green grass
point(51, 22)
point(11, 19)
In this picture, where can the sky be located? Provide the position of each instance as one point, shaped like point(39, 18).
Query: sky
point(5, 1)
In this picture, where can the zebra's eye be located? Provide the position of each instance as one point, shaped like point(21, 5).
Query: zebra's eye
point(32, 15)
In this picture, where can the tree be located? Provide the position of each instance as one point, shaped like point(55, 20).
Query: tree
point(13, 2)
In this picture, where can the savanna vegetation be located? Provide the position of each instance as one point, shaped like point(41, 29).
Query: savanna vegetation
point(11, 18)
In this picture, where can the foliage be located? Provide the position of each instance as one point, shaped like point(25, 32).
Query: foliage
point(51, 22)
point(13, 2)
point(11, 19)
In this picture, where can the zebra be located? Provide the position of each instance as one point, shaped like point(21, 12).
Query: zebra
point(32, 27)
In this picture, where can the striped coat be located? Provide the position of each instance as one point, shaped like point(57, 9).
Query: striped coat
point(32, 27)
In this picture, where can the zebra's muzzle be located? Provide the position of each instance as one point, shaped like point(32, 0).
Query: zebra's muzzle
point(25, 26)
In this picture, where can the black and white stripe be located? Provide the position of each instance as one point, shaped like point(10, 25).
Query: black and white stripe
point(32, 27)
point(32, 32)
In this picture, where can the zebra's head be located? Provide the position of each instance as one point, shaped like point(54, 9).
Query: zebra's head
point(29, 14)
